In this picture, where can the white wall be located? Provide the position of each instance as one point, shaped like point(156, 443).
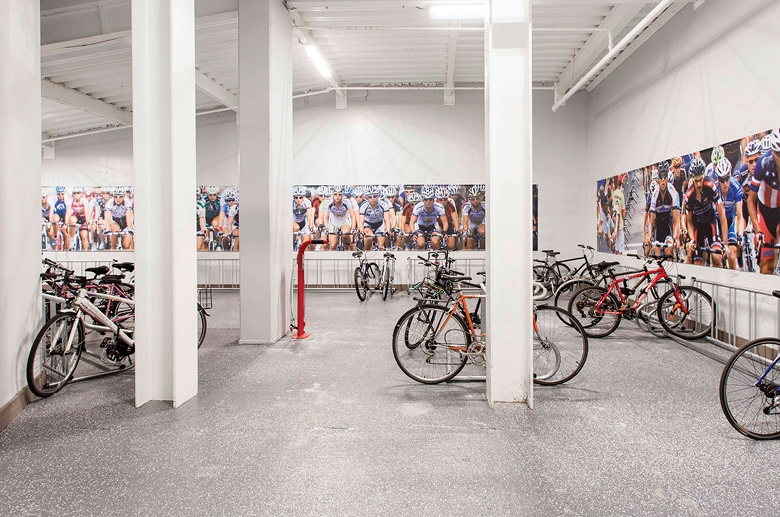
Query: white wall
point(710, 75)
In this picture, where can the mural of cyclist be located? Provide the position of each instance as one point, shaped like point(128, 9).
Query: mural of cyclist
point(702, 201)
point(474, 218)
point(428, 219)
point(764, 202)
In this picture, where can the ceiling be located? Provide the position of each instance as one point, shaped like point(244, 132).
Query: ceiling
point(86, 51)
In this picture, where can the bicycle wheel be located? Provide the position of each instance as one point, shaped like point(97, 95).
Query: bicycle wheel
point(386, 281)
point(49, 367)
point(202, 325)
point(560, 346)
point(689, 316)
point(647, 314)
point(749, 389)
point(567, 289)
point(360, 285)
point(595, 323)
point(373, 277)
point(546, 276)
point(429, 345)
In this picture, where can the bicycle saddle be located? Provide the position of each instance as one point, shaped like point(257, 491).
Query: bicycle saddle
point(97, 270)
point(357, 254)
point(389, 255)
point(125, 266)
point(776, 293)
point(552, 253)
point(604, 265)
point(112, 279)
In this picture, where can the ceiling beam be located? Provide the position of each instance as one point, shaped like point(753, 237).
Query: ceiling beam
point(75, 99)
point(215, 91)
point(89, 41)
point(618, 19)
point(305, 37)
point(449, 81)
point(638, 42)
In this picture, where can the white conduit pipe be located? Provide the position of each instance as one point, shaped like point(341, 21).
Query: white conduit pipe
point(647, 20)
point(416, 88)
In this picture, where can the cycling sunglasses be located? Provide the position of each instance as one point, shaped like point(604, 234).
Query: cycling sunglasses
point(662, 175)
point(724, 179)
point(372, 196)
point(297, 197)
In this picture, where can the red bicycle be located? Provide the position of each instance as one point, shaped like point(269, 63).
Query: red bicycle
point(683, 311)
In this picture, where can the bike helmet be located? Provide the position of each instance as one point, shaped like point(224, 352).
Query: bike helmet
point(414, 198)
point(654, 175)
point(723, 168)
point(427, 192)
point(298, 191)
point(753, 147)
point(348, 190)
point(44, 192)
point(453, 189)
point(663, 167)
point(118, 191)
point(442, 193)
point(230, 194)
point(676, 161)
point(212, 190)
point(338, 189)
point(198, 191)
point(97, 191)
point(774, 140)
point(481, 187)
point(697, 168)
point(78, 190)
point(717, 154)
point(60, 190)
point(390, 191)
point(358, 191)
point(473, 192)
point(766, 144)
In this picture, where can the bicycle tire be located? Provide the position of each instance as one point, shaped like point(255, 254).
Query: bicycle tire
point(386, 281)
point(742, 399)
point(582, 306)
point(557, 335)
point(546, 276)
point(694, 324)
point(48, 368)
point(202, 325)
point(428, 344)
point(360, 285)
point(567, 289)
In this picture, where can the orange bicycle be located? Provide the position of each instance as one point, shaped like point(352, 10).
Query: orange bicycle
point(433, 341)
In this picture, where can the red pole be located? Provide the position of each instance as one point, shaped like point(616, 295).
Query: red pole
point(301, 323)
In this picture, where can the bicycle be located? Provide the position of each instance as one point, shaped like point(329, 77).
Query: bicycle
point(57, 348)
point(433, 341)
point(683, 311)
point(749, 390)
point(585, 274)
point(749, 260)
point(214, 238)
point(387, 275)
point(367, 276)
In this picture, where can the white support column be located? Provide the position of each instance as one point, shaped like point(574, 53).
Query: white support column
point(164, 170)
point(265, 150)
point(509, 190)
point(20, 177)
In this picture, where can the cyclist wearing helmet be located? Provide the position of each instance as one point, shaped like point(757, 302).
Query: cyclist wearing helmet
point(303, 214)
point(59, 212)
point(337, 216)
point(678, 174)
point(764, 202)
point(47, 211)
point(744, 174)
point(731, 193)
point(404, 195)
point(119, 216)
point(374, 218)
point(391, 199)
point(357, 198)
point(647, 229)
point(451, 214)
point(200, 218)
point(427, 218)
point(474, 217)
point(664, 215)
point(78, 217)
point(230, 211)
point(412, 199)
point(717, 154)
point(702, 201)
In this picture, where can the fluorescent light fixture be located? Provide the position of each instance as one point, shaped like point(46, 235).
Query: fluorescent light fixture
point(457, 12)
point(318, 61)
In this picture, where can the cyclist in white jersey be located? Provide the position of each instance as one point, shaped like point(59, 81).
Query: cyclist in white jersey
point(374, 218)
point(474, 216)
point(428, 217)
point(303, 214)
point(119, 216)
point(230, 209)
point(339, 216)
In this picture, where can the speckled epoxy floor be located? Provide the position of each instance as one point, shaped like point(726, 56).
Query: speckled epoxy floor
point(331, 426)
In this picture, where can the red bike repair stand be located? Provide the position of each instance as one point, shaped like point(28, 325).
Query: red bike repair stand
point(301, 291)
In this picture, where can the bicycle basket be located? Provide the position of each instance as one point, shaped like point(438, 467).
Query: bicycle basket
point(204, 297)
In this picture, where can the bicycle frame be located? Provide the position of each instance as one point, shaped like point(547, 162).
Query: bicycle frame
point(462, 304)
point(660, 276)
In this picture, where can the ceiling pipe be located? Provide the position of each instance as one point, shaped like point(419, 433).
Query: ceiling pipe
point(401, 88)
point(646, 21)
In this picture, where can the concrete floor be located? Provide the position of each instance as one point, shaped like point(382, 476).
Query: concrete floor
point(331, 426)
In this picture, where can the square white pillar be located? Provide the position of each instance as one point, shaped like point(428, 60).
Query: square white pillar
point(20, 180)
point(265, 150)
point(508, 144)
point(164, 171)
